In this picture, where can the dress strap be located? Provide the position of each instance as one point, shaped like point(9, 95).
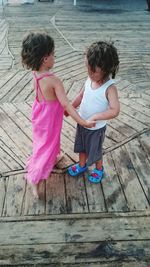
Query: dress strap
point(37, 85)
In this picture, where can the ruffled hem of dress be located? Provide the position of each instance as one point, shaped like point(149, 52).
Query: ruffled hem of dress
point(35, 176)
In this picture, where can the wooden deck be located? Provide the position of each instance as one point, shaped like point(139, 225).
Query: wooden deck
point(77, 223)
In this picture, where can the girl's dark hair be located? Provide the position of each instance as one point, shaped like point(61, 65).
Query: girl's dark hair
point(103, 55)
point(36, 46)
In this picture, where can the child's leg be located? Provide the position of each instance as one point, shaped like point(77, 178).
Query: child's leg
point(80, 167)
point(99, 164)
point(82, 159)
point(35, 190)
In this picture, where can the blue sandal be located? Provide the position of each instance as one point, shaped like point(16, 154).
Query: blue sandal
point(76, 169)
point(96, 176)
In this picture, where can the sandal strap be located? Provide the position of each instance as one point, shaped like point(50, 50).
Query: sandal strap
point(77, 169)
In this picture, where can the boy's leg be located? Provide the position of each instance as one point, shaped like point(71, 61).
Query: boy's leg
point(96, 174)
point(99, 164)
point(82, 159)
point(80, 167)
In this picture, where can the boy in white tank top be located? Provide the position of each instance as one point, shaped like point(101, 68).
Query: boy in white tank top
point(99, 102)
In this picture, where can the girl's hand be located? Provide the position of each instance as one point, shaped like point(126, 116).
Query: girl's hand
point(89, 124)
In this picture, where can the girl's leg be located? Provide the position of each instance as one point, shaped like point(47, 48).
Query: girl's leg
point(35, 190)
point(82, 159)
point(99, 164)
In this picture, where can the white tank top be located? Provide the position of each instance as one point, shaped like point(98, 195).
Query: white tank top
point(94, 101)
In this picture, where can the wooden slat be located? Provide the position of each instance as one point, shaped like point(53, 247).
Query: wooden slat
point(83, 230)
point(3, 184)
point(129, 180)
point(75, 194)
point(14, 196)
point(16, 134)
point(55, 194)
point(144, 140)
point(105, 254)
point(114, 196)
point(141, 165)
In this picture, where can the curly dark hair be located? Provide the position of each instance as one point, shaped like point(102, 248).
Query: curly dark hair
point(36, 46)
point(103, 55)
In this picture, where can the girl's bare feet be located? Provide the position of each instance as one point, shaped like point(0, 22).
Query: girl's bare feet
point(35, 190)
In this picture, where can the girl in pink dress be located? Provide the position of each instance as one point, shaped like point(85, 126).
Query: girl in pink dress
point(48, 107)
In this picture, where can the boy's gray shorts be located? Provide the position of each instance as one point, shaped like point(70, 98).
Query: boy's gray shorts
point(89, 142)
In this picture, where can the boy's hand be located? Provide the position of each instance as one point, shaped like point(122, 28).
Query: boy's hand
point(89, 124)
point(66, 113)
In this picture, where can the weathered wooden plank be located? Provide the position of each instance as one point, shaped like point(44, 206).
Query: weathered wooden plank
point(129, 180)
point(75, 194)
point(132, 122)
point(15, 133)
point(114, 134)
point(121, 127)
point(8, 143)
point(105, 254)
point(22, 95)
point(3, 184)
point(20, 120)
point(135, 104)
point(11, 83)
point(141, 165)
point(8, 161)
point(55, 194)
point(144, 140)
point(139, 113)
point(14, 196)
point(4, 167)
point(24, 109)
point(71, 230)
point(114, 196)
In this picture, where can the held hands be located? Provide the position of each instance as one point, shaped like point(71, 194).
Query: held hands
point(89, 124)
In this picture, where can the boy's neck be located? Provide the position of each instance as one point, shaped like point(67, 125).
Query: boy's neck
point(97, 84)
point(102, 81)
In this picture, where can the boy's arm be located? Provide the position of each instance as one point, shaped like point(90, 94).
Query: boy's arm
point(114, 106)
point(61, 96)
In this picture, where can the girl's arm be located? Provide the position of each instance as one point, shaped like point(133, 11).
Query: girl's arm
point(61, 95)
point(77, 101)
point(114, 106)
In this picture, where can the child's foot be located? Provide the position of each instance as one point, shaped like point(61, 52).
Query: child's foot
point(35, 191)
point(96, 176)
point(76, 169)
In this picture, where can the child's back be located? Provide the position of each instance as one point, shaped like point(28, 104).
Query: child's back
point(47, 116)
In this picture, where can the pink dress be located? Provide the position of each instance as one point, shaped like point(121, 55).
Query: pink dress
point(47, 117)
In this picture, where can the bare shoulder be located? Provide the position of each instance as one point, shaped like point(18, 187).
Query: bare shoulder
point(55, 81)
point(112, 90)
